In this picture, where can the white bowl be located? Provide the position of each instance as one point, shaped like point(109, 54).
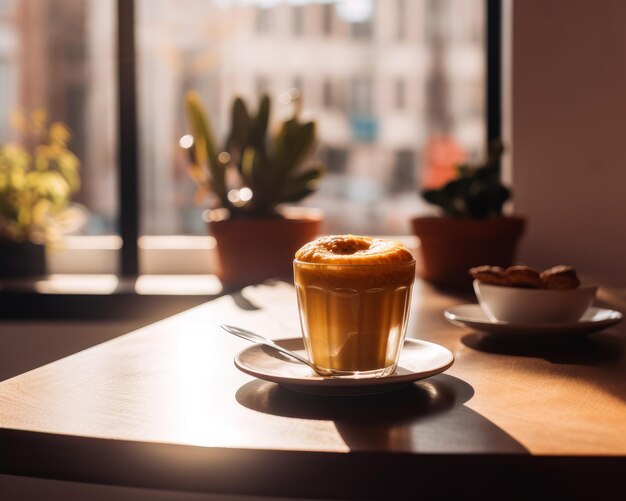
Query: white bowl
point(515, 304)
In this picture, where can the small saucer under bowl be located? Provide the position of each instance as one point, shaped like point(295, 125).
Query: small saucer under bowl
point(418, 360)
point(473, 316)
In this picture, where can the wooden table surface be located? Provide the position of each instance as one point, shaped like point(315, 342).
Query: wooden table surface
point(165, 407)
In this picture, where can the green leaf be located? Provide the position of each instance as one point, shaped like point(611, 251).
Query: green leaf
point(258, 129)
point(476, 193)
point(49, 184)
point(254, 171)
point(250, 166)
point(432, 196)
point(293, 145)
point(204, 144)
point(295, 196)
point(240, 131)
point(302, 185)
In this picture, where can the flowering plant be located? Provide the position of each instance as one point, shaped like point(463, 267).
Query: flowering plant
point(37, 179)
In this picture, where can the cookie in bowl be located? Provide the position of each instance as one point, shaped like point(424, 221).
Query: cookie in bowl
point(552, 296)
point(523, 276)
point(560, 277)
point(493, 275)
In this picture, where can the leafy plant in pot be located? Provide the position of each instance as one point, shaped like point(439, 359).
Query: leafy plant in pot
point(37, 180)
point(473, 230)
point(247, 180)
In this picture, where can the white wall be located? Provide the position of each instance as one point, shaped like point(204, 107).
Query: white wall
point(568, 129)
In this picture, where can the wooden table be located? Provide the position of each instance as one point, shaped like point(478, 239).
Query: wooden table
point(164, 407)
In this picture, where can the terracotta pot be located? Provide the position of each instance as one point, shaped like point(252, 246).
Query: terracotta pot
point(449, 247)
point(21, 259)
point(252, 250)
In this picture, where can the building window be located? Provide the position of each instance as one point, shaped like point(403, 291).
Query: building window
point(401, 20)
point(327, 94)
point(361, 95)
point(336, 159)
point(400, 94)
point(361, 29)
point(298, 20)
point(404, 172)
point(262, 85)
point(264, 20)
point(333, 95)
point(328, 12)
point(297, 83)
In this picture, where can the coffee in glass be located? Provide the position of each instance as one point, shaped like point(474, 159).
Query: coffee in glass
point(354, 295)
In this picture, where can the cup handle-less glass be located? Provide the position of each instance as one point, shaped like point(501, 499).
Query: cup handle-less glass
point(354, 317)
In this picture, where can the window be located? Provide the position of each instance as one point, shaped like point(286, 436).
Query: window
point(327, 94)
point(333, 95)
point(361, 29)
point(404, 171)
point(298, 83)
point(328, 13)
point(265, 48)
point(263, 19)
point(298, 20)
point(386, 81)
point(335, 159)
point(262, 85)
point(361, 102)
point(401, 19)
point(400, 94)
point(57, 59)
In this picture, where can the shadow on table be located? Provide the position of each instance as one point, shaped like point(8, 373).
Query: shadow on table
point(428, 416)
point(594, 350)
point(243, 302)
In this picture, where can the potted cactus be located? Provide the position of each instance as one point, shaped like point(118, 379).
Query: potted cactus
point(473, 230)
point(37, 180)
point(247, 182)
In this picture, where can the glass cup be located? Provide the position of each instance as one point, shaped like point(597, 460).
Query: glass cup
point(354, 316)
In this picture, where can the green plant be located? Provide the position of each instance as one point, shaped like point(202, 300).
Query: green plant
point(476, 193)
point(37, 179)
point(254, 171)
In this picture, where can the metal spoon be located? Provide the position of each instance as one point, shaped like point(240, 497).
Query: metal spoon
point(256, 338)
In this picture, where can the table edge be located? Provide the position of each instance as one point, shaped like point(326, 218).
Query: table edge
point(321, 475)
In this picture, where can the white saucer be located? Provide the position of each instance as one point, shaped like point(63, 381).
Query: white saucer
point(472, 316)
point(418, 360)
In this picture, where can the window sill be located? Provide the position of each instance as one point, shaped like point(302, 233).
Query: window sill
point(158, 255)
point(105, 296)
point(83, 281)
